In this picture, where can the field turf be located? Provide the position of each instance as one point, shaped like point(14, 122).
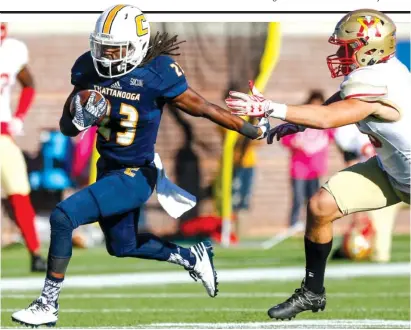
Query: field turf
point(356, 302)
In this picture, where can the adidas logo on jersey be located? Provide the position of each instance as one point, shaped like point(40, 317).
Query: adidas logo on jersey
point(116, 85)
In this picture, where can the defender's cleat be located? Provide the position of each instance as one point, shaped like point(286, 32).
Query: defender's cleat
point(302, 300)
point(204, 267)
point(38, 264)
point(38, 313)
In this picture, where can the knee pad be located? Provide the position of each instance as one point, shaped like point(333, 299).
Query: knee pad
point(60, 220)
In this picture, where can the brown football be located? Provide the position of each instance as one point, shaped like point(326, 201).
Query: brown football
point(84, 96)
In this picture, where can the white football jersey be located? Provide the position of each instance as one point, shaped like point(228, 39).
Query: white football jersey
point(350, 139)
point(13, 57)
point(388, 83)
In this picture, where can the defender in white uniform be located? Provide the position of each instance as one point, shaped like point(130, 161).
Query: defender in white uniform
point(14, 179)
point(375, 96)
point(356, 147)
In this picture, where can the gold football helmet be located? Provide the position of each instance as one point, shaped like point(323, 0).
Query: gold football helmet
point(365, 37)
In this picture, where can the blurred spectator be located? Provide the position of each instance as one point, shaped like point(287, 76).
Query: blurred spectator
point(187, 169)
point(80, 174)
point(245, 160)
point(186, 165)
point(60, 168)
point(308, 160)
point(14, 180)
point(83, 149)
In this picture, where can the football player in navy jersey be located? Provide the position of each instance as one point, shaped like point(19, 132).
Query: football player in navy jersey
point(137, 78)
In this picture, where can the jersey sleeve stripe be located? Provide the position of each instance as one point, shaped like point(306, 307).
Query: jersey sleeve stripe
point(110, 18)
point(363, 95)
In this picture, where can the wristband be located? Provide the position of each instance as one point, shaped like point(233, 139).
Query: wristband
point(249, 130)
point(277, 110)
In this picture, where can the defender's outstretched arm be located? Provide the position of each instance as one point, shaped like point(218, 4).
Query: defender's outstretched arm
point(335, 114)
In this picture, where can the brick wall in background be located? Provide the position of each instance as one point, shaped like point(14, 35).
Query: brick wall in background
point(301, 67)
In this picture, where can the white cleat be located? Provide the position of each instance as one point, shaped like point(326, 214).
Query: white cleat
point(204, 268)
point(38, 313)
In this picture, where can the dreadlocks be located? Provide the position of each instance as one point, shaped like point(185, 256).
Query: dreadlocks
point(162, 44)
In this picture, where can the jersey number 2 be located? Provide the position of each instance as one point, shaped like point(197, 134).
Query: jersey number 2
point(129, 123)
point(177, 68)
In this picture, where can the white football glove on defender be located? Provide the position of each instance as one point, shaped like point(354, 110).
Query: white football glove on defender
point(255, 105)
point(87, 116)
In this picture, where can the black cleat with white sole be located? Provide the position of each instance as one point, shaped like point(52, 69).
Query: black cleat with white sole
point(302, 300)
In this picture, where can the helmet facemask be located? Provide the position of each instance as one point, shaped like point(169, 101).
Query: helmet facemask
point(127, 55)
point(344, 61)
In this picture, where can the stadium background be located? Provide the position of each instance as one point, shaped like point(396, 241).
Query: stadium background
point(212, 56)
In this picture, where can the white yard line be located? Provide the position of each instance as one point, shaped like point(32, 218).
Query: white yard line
point(205, 310)
point(224, 276)
point(221, 295)
point(294, 324)
point(261, 262)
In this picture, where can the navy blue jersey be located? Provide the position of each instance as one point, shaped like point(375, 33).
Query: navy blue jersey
point(128, 133)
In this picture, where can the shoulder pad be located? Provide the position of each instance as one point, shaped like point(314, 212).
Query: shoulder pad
point(365, 84)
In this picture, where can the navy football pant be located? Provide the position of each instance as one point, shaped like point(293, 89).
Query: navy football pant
point(114, 201)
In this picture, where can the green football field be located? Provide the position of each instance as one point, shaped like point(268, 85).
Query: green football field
point(132, 293)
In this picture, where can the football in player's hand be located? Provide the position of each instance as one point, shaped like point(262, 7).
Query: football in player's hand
point(86, 96)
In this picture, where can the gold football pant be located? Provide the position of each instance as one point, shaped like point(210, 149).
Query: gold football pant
point(14, 179)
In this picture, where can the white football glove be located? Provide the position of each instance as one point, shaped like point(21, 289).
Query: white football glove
point(87, 116)
point(16, 127)
point(283, 130)
point(254, 105)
